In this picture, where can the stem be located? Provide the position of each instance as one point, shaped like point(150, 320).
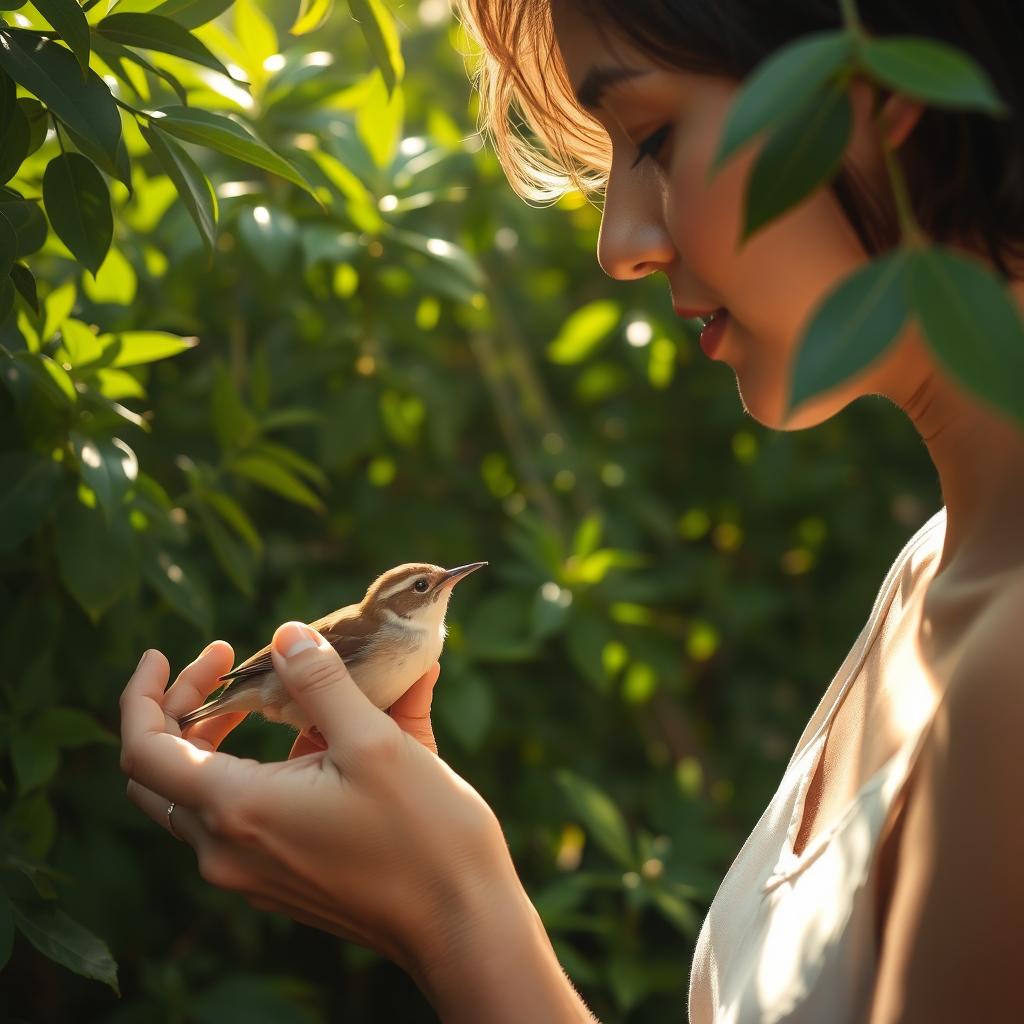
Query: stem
point(56, 131)
point(910, 231)
point(851, 19)
point(131, 109)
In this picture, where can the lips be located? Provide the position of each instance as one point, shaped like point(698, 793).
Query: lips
point(703, 314)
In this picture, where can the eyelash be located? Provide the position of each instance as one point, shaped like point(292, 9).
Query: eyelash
point(651, 145)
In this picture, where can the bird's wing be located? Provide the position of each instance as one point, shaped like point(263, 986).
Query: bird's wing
point(351, 647)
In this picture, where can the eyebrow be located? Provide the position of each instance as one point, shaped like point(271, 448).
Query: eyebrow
point(598, 79)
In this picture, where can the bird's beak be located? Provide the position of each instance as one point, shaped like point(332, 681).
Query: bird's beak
point(452, 576)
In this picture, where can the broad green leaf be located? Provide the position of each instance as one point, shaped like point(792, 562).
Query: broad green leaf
point(379, 121)
point(381, 37)
point(192, 13)
point(67, 17)
point(359, 204)
point(25, 282)
point(933, 71)
point(6, 930)
point(116, 281)
point(218, 132)
point(153, 32)
point(8, 246)
point(292, 459)
point(118, 384)
point(80, 343)
point(256, 35)
point(466, 708)
point(583, 331)
point(70, 728)
point(97, 560)
point(193, 186)
point(59, 376)
point(971, 325)
point(15, 135)
point(233, 514)
point(65, 941)
point(112, 52)
point(234, 558)
point(275, 477)
point(599, 816)
point(180, 586)
point(108, 466)
point(780, 86)
point(35, 761)
point(28, 222)
point(58, 306)
point(38, 121)
point(853, 326)
point(312, 14)
point(78, 204)
point(138, 347)
point(800, 154)
point(49, 71)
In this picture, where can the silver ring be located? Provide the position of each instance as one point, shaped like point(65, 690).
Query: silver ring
point(170, 822)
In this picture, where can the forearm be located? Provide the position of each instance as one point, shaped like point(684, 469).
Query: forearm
point(504, 971)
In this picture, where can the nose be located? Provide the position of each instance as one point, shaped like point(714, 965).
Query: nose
point(633, 241)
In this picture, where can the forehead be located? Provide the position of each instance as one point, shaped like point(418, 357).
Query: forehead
point(586, 46)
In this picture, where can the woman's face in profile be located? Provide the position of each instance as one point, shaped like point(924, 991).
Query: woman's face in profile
point(661, 214)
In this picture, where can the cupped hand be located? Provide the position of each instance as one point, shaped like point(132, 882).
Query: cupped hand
point(371, 836)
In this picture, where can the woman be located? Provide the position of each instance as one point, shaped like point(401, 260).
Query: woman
point(883, 881)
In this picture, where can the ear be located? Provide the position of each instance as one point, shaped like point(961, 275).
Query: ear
point(899, 115)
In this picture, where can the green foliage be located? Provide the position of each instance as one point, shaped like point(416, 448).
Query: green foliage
point(313, 340)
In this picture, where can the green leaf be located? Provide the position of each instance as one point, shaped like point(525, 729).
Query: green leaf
point(138, 347)
point(108, 466)
point(379, 121)
point(466, 707)
point(70, 728)
point(15, 134)
point(584, 331)
point(193, 186)
point(48, 70)
point(312, 14)
point(118, 384)
point(234, 515)
point(180, 587)
point(256, 35)
point(192, 13)
point(275, 477)
point(65, 941)
point(234, 559)
point(932, 71)
point(116, 281)
point(8, 246)
point(154, 32)
point(97, 560)
point(6, 930)
point(853, 325)
point(599, 815)
point(80, 343)
point(30, 483)
point(67, 17)
point(802, 153)
point(112, 52)
point(778, 88)
point(35, 761)
point(292, 459)
point(677, 911)
point(78, 204)
point(226, 136)
point(971, 325)
point(38, 121)
point(26, 285)
point(381, 37)
point(28, 222)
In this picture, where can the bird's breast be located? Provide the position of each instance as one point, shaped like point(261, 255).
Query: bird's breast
point(392, 664)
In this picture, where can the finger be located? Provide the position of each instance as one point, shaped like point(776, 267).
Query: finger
point(210, 733)
point(187, 827)
point(157, 758)
point(198, 680)
point(412, 710)
point(318, 681)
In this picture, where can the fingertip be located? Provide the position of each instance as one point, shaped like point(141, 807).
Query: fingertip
point(291, 638)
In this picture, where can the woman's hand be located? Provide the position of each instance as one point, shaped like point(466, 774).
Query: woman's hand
point(372, 838)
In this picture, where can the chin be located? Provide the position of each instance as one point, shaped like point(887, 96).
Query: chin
point(767, 407)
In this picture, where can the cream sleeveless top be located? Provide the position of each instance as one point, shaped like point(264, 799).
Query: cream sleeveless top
point(791, 937)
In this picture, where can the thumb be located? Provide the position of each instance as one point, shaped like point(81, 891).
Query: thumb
point(318, 681)
point(412, 710)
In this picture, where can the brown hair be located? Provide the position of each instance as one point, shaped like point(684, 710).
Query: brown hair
point(965, 170)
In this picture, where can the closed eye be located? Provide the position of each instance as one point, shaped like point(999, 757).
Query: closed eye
point(652, 144)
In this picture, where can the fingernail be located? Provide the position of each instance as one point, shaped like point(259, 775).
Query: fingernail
point(294, 637)
point(145, 655)
point(207, 647)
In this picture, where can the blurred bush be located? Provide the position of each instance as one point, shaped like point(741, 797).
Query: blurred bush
point(401, 361)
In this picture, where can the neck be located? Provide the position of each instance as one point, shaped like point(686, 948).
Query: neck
point(979, 456)
point(403, 623)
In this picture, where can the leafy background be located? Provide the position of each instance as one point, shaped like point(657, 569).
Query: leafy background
point(389, 357)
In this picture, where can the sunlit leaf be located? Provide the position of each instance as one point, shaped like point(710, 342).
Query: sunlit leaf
point(584, 331)
point(67, 17)
point(312, 14)
point(381, 37)
point(78, 204)
point(154, 32)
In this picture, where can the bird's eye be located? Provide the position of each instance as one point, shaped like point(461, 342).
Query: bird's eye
point(420, 586)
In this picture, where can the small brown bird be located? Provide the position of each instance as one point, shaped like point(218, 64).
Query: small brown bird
point(387, 642)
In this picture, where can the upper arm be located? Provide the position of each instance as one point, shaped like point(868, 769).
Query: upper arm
point(952, 936)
